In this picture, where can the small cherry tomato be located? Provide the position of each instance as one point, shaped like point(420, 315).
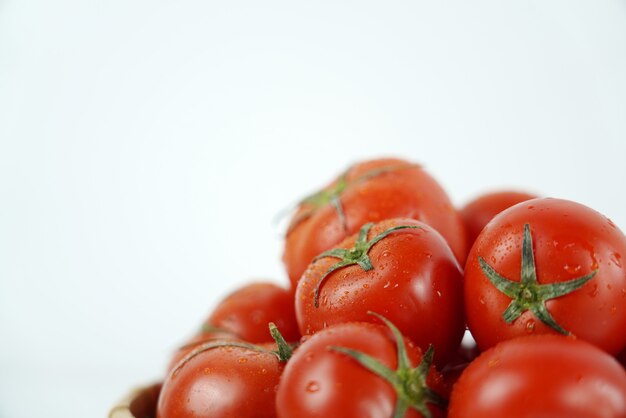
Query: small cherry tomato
point(400, 268)
point(477, 213)
point(541, 376)
point(548, 266)
point(370, 191)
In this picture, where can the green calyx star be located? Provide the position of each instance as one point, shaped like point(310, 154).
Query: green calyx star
point(528, 293)
point(359, 254)
point(333, 194)
point(408, 382)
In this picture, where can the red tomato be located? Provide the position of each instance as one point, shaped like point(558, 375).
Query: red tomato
point(412, 278)
point(541, 376)
point(247, 311)
point(369, 192)
point(198, 339)
point(224, 379)
point(477, 213)
point(320, 381)
point(548, 266)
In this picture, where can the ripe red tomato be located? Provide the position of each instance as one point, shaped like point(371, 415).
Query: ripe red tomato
point(225, 379)
point(320, 381)
point(477, 213)
point(410, 276)
point(370, 191)
point(247, 311)
point(198, 339)
point(548, 266)
point(541, 376)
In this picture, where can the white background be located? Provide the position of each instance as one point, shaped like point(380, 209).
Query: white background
point(147, 146)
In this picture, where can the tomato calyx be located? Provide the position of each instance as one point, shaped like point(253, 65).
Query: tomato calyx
point(283, 351)
point(333, 194)
point(408, 382)
point(358, 254)
point(528, 293)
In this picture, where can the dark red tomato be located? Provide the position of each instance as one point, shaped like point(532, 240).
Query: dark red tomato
point(477, 213)
point(200, 338)
point(548, 266)
point(225, 382)
point(370, 191)
point(247, 311)
point(319, 381)
point(541, 376)
point(413, 279)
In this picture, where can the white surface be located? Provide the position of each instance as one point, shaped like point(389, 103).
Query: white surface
point(145, 147)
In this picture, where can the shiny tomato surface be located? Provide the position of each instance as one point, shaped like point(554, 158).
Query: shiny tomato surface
point(319, 382)
point(547, 376)
point(370, 191)
point(225, 382)
point(415, 282)
point(569, 241)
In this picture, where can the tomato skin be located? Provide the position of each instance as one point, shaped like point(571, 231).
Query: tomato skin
point(569, 240)
point(319, 382)
point(195, 341)
point(404, 193)
point(247, 311)
point(225, 382)
point(415, 282)
point(478, 212)
point(541, 376)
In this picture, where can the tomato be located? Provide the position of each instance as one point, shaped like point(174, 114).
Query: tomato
point(370, 191)
point(541, 376)
point(224, 379)
point(410, 276)
point(200, 338)
point(548, 266)
point(477, 213)
point(321, 381)
point(247, 311)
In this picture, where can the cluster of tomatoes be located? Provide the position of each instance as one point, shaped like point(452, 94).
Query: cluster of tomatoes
point(387, 277)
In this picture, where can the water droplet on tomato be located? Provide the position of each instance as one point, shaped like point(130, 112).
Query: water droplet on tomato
point(482, 301)
point(242, 360)
point(572, 269)
point(530, 326)
point(312, 386)
point(616, 259)
point(387, 285)
point(493, 362)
